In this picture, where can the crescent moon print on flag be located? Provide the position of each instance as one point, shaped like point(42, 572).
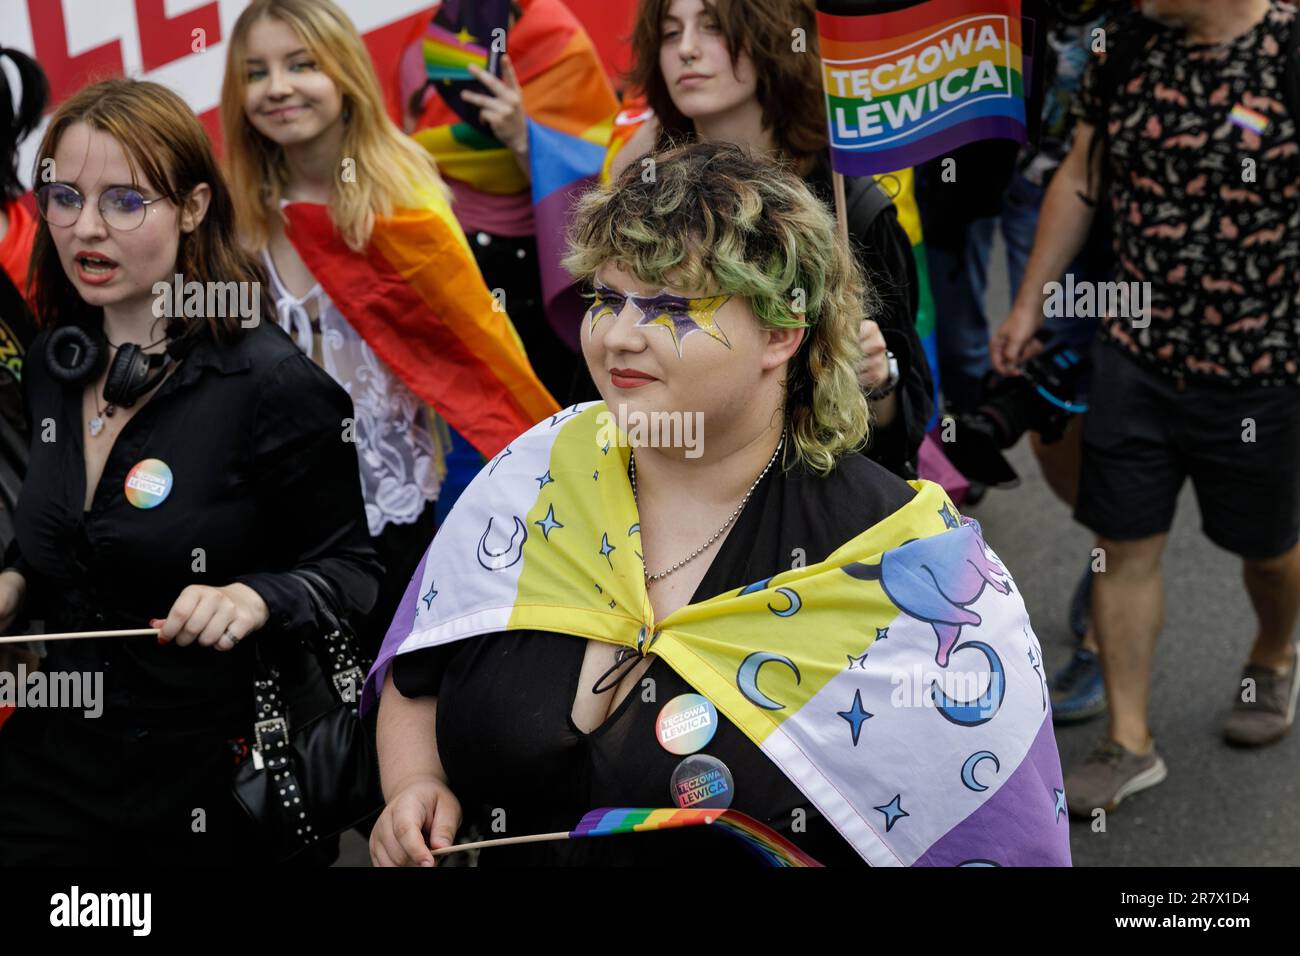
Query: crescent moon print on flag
point(747, 678)
point(500, 560)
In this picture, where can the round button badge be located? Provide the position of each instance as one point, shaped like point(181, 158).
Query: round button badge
point(701, 782)
point(686, 724)
point(148, 483)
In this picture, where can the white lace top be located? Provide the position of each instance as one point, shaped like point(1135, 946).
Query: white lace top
point(394, 445)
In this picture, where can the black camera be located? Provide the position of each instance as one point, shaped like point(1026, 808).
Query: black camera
point(1042, 399)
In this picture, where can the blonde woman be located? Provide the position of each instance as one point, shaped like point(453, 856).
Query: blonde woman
point(369, 270)
point(594, 593)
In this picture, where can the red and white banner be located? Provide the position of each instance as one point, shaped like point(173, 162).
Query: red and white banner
point(182, 43)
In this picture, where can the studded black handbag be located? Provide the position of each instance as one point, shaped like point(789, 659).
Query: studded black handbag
point(311, 771)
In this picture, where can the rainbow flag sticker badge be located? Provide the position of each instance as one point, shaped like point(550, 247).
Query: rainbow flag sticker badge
point(1248, 119)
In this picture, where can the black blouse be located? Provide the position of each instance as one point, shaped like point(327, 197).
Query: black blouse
point(263, 482)
point(885, 254)
point(514, 757)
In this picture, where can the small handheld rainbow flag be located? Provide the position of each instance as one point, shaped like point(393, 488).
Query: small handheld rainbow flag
point(772, 848)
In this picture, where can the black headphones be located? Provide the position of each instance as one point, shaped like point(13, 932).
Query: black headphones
point(74, 356)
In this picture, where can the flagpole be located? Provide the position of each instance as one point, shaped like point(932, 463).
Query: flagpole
point(841, 207)
point(504, 841)
point(76, 635)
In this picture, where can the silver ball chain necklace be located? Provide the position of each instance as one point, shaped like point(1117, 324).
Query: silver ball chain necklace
point(651, 578)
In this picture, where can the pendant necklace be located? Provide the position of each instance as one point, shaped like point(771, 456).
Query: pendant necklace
point(651, 578)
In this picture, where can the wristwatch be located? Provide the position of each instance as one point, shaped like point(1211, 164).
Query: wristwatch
point(884, 391)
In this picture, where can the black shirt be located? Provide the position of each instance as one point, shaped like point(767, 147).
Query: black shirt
point(1202, 159)
point(263, 482)
point(884, 252)
point(513, 755)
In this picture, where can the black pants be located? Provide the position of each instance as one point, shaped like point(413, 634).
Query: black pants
point(111, 792)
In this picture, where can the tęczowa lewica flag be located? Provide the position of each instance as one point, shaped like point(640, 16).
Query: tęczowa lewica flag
point(908, 82)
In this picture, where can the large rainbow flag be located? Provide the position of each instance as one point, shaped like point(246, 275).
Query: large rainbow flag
point(914, 83)
point(933, 747)
point(570, 107)
point(416, 296)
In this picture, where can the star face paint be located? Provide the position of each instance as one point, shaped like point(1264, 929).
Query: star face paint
point(678, 314)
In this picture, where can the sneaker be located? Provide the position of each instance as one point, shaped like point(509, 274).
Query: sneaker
point(1109, 774)
point(1078, 693)
point(1270, 715)
point(1081, 603)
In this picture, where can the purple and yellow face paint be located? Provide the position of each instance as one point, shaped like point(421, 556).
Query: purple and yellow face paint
point(678, 314)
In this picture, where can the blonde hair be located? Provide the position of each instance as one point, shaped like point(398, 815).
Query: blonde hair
point(395, 172)
point(715, 218)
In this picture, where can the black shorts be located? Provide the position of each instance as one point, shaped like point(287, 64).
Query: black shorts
point(1143, 436)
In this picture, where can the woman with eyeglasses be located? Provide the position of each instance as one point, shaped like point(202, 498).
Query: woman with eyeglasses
point(187, 459)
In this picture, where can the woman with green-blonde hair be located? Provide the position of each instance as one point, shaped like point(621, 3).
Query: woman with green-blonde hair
point(588, 628)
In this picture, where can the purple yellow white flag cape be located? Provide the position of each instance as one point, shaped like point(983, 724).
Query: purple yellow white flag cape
point(897, 684)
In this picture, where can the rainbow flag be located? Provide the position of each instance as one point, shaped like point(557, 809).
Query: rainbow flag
point(570, 107)
point(771, 847)
point(448, 55)
point(906, 86)
point(417, 298)
point(933, 747)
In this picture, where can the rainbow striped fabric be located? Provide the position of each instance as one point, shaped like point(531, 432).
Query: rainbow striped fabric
point(448, 55)
point(772, 848)
point(907, 86)
point(416, 296)
point(931, 747)
point(570, 106)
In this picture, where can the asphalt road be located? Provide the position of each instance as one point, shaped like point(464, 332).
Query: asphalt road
point(1219, 806)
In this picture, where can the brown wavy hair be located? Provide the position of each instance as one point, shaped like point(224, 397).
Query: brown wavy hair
point(166, 146)
point(789, 82)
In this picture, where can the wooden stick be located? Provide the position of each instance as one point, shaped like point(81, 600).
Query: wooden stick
point(77, 635)
point(841, 207)
point(503, 841)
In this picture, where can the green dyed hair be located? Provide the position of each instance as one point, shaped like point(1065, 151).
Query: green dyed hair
point(716, 219)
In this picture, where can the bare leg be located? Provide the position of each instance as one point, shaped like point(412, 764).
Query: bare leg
point(1127, 612)
point(1274, 589)
point(1059, 461)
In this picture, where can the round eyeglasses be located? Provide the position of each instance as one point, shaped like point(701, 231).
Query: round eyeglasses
point(121, 207)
